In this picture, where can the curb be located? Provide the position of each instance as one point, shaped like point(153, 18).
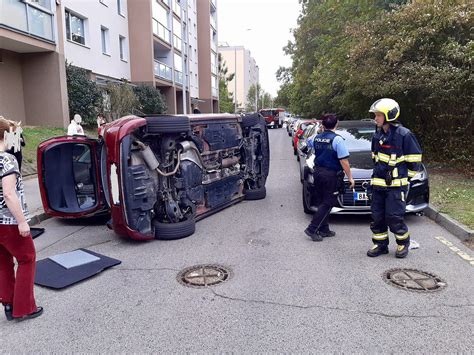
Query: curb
point(38, 218)
point(454, 227)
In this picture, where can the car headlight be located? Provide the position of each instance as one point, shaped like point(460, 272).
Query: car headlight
point(421, 175)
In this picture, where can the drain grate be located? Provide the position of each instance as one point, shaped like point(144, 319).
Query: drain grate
point(414, 280)
point(204, 275)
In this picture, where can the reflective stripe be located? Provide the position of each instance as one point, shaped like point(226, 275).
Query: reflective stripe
point(395, 173)
point(403, 236)
point(391, 160)
point(411, 173)
point(383, 157)
point(395, 182)
point(413, 158)
point(380, 236)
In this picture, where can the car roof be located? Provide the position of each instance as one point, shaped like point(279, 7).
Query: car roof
point(356, 123)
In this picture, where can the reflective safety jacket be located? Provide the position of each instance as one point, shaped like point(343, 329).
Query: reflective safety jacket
point(395, 153)
point(326, 156)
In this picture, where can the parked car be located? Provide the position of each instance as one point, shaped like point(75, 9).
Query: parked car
point(289, 125)
point(358, 137)
point(300, 128)
point(156, 175)
point(308, 134)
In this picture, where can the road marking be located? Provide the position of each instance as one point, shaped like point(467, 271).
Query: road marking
point(459, 252)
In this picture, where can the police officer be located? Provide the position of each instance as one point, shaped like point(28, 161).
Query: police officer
point(397, 157)
point(330, 162)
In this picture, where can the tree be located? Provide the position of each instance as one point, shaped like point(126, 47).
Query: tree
point(83, 94)
point(226, 100)
point(150, 99)
point(250, 106)
point(122, 100)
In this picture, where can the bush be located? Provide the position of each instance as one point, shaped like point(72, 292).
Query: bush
point(150, 99)
point(83, 94)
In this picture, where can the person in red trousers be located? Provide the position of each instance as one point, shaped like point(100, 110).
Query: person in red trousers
point(16, 291)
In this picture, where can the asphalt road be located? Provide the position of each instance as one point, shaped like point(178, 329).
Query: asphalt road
point(286, 293)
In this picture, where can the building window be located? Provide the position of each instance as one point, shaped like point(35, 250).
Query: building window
point(120, 7)
point(75, 28)
point(123, 49)
point(104, 35)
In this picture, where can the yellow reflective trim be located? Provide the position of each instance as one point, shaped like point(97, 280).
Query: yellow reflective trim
point(392, 162)
point(373, 155)
point(403, 236)
point(395, 173)
point(411, 173)
point(401, 159)
point(413, 158)
point(380, 236)
point(395, 182)
point(383, 157)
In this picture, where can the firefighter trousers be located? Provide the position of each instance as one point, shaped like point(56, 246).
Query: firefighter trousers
point(388, 211)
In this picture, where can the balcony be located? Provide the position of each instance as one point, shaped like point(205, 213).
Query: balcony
point(32, 19)
point(213, 2)
point(161, 31)
point(214, 46)
point(213, 69)
point(213, 22)
point(177, 42)
point(178, 77)
point(163, 71)
point(214, 92)
point(177, 8)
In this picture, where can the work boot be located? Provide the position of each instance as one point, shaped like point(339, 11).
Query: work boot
point(315, 237)
point(377, 250)
point(402, 251)
point(327, 234)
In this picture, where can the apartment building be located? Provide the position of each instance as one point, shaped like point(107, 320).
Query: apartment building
point(32, 72)
point(170, 44)
point(207, 50)
point(240, 61)
point(166, 52)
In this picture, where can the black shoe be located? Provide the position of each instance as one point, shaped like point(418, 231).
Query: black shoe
point(8, 311)
point(377, 250)
point(37, 313)
point(327, 234)
point(315, 237)
point(402, 251)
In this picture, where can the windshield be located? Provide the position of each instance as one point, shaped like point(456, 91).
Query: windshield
point(357, 138)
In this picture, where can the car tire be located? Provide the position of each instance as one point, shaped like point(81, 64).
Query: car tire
point(294, 151)
point(250, 120)
point(306, 198)
point(257, 194)
point(297, 157)
point(173, 231)
point(165, 124)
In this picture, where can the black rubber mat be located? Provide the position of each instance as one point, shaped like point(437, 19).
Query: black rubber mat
point(36, 232)
point(52, 275)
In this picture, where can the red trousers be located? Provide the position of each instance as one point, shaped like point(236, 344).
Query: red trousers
point(17, 290)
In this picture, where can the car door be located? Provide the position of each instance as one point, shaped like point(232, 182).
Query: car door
point(69, 176)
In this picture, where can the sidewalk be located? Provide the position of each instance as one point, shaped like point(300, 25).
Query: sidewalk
point(33, 199)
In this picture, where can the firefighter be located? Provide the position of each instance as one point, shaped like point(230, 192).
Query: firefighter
point(397, 158)
point(331, 162)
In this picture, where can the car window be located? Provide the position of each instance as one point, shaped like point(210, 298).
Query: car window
point(357, 138)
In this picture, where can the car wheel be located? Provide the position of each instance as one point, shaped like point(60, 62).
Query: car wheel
point(280, 125)
point(297, 157)
point(172, 231)
point(294, 151)
point(250, 120)
point(257, 194)
point(307, 198)
point(289, 134)
point(164, 124)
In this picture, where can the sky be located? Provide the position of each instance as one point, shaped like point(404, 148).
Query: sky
point(263, 27)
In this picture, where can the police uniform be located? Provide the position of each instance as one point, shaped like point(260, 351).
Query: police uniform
point(397, 158)
point(329, 149)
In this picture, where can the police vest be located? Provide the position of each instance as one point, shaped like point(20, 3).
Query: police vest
point(396, 152)
point(326, 156)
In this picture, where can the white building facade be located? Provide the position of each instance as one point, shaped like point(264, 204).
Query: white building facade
point(96, 37)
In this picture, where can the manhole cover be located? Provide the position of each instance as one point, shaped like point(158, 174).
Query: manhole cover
point(414, 280)
point(203, 275)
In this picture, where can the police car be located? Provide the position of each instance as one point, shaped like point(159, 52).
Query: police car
point(357, 138)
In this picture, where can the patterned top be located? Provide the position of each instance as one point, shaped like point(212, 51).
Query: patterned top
point(9, 165)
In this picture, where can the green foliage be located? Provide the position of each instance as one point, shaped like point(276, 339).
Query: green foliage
point(226, 100)
point(83, 94)
point(122, 100)
point(252, 96)
point(348, 54)
point(150, 99)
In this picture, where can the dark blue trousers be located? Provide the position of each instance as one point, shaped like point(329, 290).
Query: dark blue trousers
point(325, 194)
point(388, 211)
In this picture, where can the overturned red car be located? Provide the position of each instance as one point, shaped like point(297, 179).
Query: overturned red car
point(156, 175)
